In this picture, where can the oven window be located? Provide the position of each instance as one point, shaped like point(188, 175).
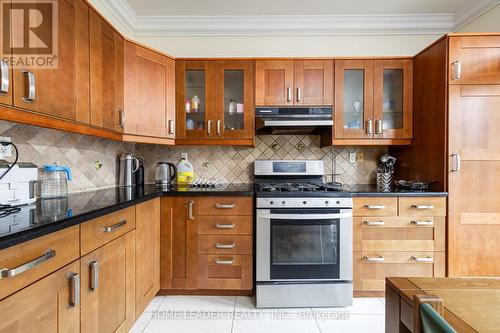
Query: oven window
point(304, 249)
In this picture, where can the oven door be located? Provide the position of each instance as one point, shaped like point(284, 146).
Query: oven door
point(304, 244)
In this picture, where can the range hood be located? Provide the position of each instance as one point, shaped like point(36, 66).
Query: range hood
point(285, 120)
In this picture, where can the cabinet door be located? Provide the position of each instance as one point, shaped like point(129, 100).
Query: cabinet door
point(147, 253)
point(49, 305)
point(108, 287)
point(273, 82)
point(234, 99)
point(63, 91)
point(147, 94)
point(392, 99)
point(313, 82)
point(474, 60)
point(474, 180)
point(194, 80)
point(106, 75)
point(354, 99)
point(179, 243)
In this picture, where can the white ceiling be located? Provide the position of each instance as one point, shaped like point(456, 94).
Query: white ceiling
point(294, 7)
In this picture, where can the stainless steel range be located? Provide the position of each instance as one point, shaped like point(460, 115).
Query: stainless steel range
point(303, 238)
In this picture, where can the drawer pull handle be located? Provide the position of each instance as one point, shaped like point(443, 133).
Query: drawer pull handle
point(113, 227)
point(374, 223)
point(94, 275)
point(6, 272)
point(374, 206)
point(224, 261)
point(224, 226)
point(374, 259)
point(421, 222)
point(191, 210)
point(225, 206)
point(224, 245)
point(74, 296)
point(421, 259)
point(422, 207)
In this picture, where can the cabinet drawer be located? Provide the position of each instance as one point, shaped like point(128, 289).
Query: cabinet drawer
point(397, 245)
point(232, 272)
point(104, 229)
point(375, 206)
point(225, 205)
point(30, 261)
point(424, 206)
point(224, 244)
point(225, 225)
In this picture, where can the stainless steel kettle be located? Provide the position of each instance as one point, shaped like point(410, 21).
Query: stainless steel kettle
point(129, 164)
point(165, 173)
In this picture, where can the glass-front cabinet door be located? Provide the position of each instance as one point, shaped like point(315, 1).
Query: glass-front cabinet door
point(234, 100)
point(392, 99)
point(354, 99)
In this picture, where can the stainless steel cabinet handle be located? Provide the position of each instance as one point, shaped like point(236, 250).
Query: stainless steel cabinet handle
point(219, 127)
point(94, 275)
point(288, 94)
point(456, 162)
point(113, 227)
point(422, 207)
point(374, 207)
point(457, 70)
point(11, 272)
point(190, 210)
point(209, 127)
point(225, 206)
point(378, 127)
point(121, 118)
point(369, 127)
point(422, 222)
point(74, 292)
point(224, 226)
point(31, 87)
point(224, 261)
point(299, 95)
point(374, 223)
point(171, 128)
point(421, 259)
point(224, 245)
point(374, 259)
point(4, 85)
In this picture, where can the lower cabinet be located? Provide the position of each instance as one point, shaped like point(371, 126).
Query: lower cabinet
point(49, 305)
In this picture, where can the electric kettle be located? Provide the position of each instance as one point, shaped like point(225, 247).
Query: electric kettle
point(54, 181)
point(165, 173)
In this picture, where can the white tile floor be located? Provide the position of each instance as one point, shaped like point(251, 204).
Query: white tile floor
point(229, 314)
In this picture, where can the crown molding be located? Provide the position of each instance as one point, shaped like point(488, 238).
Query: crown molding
point(471, 11)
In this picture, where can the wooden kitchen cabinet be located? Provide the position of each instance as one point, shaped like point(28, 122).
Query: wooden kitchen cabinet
point(106, 75)
point(149, 104)
point(293, 82)
point(63, 91)
point(147, 253)
point(373, 102)
point(108, 286)
point(48, 305)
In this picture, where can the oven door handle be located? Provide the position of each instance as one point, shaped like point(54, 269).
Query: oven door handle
point(305, 216)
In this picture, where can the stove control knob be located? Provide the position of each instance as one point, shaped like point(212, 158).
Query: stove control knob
point(271, 202)
point(283, 202)
point(304, 202)
point(338, 202)
point(327, 202)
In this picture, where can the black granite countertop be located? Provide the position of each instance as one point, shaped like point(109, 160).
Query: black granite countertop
point(50, 215)
point(370, 190)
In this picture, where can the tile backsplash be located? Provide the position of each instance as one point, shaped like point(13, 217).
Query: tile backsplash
point(83, 154)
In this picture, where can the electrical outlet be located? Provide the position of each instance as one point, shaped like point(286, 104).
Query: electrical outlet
point(360, 157)
point(352, 157)
point(5, 151)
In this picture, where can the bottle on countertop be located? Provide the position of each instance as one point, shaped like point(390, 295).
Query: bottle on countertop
point(185, 172)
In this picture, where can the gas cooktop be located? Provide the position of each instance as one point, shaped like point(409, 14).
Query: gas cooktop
point(299, 187)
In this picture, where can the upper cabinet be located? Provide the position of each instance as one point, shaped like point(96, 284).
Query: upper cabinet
point(293, 82)
point(62, 91)
point(149, 85)
point(373, 101)
point(106, 75)
point(215, 102)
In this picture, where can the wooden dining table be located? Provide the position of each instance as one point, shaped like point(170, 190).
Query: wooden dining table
point(470, 304)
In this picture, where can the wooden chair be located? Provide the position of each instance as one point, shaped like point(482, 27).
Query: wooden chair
point(428, 315)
